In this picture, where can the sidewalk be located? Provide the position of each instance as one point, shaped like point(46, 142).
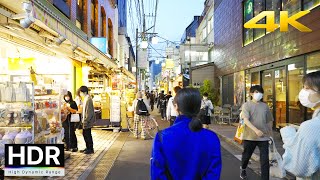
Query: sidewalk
point(226, 133)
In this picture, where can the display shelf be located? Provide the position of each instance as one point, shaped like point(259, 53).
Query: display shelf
point(37, 95)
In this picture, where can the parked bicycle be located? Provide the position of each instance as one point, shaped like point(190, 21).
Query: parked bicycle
point(151, 125)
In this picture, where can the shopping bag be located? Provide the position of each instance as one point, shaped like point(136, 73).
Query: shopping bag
point(75, 118)
point(239, 134)
point(276, 163)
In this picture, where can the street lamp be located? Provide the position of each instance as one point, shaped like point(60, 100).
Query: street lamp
point(144, 44)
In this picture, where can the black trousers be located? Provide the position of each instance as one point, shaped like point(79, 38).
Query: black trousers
point(70, 134)
point(172, 119)
point(249, 147)
point(163, 112)
point(88, 138)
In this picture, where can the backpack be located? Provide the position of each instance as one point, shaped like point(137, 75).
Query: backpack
point(163, 103)
point(141, 108)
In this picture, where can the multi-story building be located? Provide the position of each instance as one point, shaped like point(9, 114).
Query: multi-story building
point(276, 60)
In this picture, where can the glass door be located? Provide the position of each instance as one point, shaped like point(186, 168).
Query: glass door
point(274, 83)
point(280, 84)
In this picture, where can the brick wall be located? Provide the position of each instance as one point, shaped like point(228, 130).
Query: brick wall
point(230, 56)
point(108, 6)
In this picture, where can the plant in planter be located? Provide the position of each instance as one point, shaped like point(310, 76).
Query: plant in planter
point(211, 90)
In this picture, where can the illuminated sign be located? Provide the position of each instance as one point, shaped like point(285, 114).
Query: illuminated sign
point(285, 20)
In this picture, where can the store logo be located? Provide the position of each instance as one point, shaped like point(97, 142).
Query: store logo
point(34, 160)
point(285, 20)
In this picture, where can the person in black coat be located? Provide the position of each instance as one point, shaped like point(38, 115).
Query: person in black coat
point(70, 107)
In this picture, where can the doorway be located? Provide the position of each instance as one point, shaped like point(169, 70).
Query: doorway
point(274, 83)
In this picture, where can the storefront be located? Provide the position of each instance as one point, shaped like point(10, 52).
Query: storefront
point(282, 82)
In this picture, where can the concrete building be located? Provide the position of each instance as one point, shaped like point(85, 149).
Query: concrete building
point(276, 60)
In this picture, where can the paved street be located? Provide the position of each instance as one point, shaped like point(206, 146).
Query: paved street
point(133, 161)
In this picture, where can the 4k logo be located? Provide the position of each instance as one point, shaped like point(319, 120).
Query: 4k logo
point(285, 20)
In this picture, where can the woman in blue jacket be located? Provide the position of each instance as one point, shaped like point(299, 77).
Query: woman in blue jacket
point(186, 151)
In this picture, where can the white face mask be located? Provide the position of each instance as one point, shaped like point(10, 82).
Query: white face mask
point(81, 94)
point(257, 96)
point(205, 98)
point(304, 98)
point(67, 98)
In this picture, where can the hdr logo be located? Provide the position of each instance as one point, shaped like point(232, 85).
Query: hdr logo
point(285, 20)
point(34, 160)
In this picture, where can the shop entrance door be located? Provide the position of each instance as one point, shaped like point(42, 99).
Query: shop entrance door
point(274, 83)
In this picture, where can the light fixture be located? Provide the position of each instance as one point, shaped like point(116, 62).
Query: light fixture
point(155, 40)
point(60, 40)
point(27, 21)
point(144, 44)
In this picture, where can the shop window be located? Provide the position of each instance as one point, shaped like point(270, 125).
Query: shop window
point(80, 14)
point(94, 17)
point(275, 6)
point(248, 14)
point(259, 6)
point(296, 110)
point(313, 65)
point(292, 6)
point(310, 4)
point(210, 25)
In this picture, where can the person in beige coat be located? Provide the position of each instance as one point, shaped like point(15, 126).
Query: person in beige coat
point(88, 119)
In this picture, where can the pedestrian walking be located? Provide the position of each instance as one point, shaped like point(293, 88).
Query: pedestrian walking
point(142, 110)
point(257, 131)
point(88, 119)
point(152, 100)
point(206, 111)
point(162, 105)
point(169, 95)
point(302, 155)
point(171, 111)
point(70, 107)
point(186, 150)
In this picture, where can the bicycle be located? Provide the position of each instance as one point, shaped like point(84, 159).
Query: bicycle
point(151, 125)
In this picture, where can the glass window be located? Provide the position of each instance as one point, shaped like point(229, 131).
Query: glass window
point(313, 64)
point(274, 5)
point(248, 14)
point(259, 6)
point(292, 6)
point(309, 4)
point(210, 25)
point(204, 33)
point(296, 110)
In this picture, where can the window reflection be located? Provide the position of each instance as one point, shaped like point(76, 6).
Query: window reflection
point(313, 64)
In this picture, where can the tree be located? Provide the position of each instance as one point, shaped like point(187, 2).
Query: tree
point(213, 92)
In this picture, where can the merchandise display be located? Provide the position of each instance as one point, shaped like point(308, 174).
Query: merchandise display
point(17, 117)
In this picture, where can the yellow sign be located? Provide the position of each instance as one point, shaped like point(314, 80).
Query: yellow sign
point(169, 64)
point(285, 20)
point(18, 64)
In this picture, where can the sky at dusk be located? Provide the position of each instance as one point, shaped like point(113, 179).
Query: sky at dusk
point(173, 17)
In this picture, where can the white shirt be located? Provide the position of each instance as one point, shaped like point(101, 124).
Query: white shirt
point(171, 111)
point(84, 106)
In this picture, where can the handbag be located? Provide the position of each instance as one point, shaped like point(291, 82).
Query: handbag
point(276, 163)
point(75, 118)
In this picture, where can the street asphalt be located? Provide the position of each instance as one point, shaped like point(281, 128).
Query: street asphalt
point(133, 162)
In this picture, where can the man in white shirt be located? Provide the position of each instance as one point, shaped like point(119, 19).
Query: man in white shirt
point(171, 111)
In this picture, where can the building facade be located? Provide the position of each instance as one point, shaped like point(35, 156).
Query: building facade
point(276, 60)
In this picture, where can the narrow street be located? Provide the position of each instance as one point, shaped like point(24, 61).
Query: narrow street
point(133, 161)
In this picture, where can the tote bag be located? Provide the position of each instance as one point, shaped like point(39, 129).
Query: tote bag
point(276, 163)
point(75, 118)
point(239, 133)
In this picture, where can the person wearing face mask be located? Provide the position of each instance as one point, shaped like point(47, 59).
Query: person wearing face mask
point(88, 119)
point(206, 109)
point(302, 155)
point(70, 107)
point(258, 121)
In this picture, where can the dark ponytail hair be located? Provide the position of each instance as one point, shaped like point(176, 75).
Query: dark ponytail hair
point(188, 101)
point(312, 80)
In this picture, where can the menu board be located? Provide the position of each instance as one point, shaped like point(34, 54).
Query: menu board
point(115, 109)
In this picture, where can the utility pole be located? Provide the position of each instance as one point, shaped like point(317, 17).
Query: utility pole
point(137, 68)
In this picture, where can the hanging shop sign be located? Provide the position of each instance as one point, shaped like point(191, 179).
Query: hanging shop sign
point(169, 64)
point(100, 43)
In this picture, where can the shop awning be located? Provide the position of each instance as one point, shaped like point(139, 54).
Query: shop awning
point(47, 15)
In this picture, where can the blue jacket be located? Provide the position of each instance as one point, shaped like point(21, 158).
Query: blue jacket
point(185, 154)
